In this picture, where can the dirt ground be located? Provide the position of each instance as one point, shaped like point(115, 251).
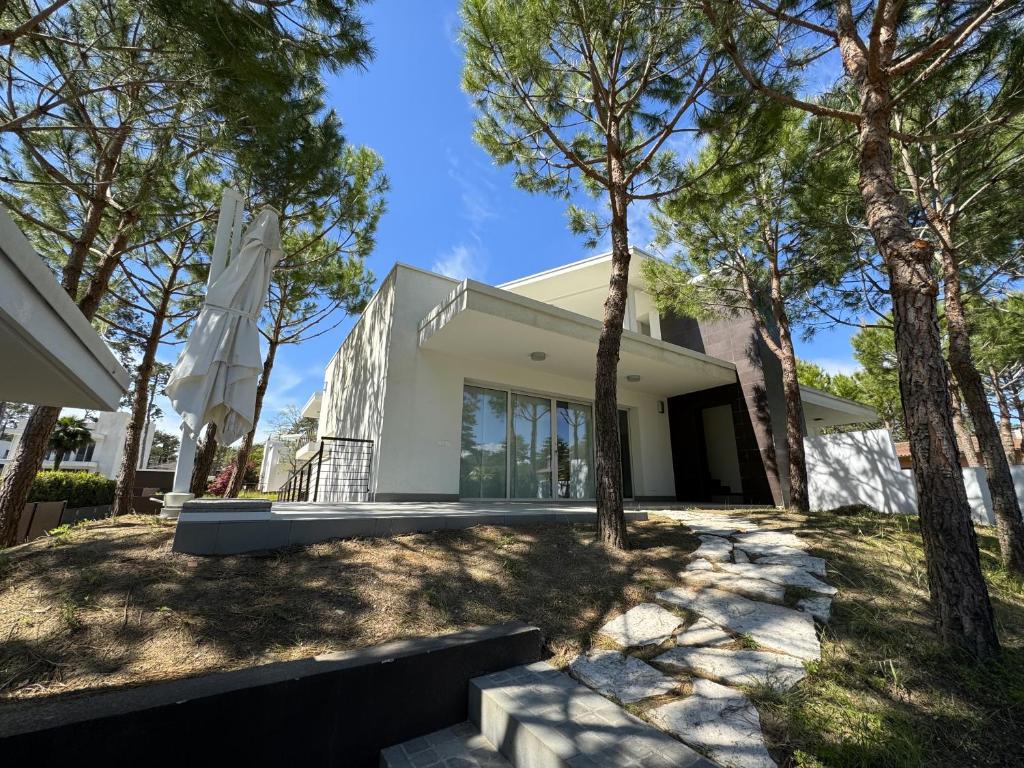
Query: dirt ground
point(108, 604)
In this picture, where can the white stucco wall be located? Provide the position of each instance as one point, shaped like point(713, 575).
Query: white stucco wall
point(383, 386)
point(276, 466)
point(862, 468)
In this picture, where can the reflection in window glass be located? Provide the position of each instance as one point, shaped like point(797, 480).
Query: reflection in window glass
point(531, 434)
point(484, 435)
point(575, 451)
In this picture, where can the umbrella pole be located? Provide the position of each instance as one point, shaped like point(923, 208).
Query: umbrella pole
point(225, 246)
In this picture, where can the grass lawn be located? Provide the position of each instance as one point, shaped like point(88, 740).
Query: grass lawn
point(108, 604)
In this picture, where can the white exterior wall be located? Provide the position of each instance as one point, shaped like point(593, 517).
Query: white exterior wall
point(862, 468)
point(275, 467)
point(384, 387)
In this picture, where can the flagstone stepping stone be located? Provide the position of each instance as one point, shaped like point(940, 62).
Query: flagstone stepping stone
point(742, 667)
point(700, 564)
point(739, 556)
point(644, 624)
point(790, 575)
point(819, 607)
point(769, 542)
point(719, 721)
point(718, 525)
point(771, 626)
point(757, 589)
point(624, 678)
point(815, 565)
point(703, 632)
point(713, 548)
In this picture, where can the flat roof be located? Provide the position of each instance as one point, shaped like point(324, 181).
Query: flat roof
point(481, 321)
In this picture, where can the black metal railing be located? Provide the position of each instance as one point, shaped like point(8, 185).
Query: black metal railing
point(338, 471)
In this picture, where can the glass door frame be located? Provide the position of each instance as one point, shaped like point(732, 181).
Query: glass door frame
point(510, 436)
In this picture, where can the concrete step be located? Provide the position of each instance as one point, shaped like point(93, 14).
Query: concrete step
point(539, 717)
point(461, 746)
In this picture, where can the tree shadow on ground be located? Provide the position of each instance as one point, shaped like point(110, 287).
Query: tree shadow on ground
point(115, 607)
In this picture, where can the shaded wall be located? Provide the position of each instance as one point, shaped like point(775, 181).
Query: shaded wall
point(332, 710)
point(694, 480)
point(760, 406)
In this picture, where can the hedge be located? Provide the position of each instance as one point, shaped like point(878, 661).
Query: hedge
point(79, 489)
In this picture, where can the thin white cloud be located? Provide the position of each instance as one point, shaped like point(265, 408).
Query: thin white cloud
point(461, 262)
point(836, 364)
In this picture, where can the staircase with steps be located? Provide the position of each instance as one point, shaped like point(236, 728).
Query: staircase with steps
point(537, 717)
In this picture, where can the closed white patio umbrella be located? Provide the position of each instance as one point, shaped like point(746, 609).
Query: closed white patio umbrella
point(215, 377)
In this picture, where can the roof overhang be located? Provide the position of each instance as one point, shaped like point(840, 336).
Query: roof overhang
point(482, 322)
point(826, 410)
point(311, 410)
point(589, 275)
point(51, 354)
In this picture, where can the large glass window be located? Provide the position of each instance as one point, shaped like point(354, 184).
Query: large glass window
point(531, 447)
point(575, 451)
point(484, 443)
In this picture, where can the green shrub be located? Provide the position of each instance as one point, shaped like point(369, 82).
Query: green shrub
point(79, 489)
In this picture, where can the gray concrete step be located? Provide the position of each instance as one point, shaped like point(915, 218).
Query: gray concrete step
point(538, 717)
point(461, 746)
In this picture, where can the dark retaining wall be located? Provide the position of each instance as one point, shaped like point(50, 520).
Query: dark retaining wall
point(334, 710)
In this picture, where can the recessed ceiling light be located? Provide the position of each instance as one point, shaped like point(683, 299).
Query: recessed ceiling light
point(538, 356)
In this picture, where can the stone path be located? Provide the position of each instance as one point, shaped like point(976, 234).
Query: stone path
point(728, 624)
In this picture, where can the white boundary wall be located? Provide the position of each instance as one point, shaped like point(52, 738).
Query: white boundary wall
point(862, 468)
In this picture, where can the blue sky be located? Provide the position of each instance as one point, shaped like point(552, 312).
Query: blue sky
point(449, 209)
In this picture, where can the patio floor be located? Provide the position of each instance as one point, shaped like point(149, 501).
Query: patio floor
point(226, 527)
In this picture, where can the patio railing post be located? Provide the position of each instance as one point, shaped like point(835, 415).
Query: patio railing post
point(319, 461)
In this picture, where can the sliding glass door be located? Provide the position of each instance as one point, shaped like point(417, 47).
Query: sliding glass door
point(531, 447)
point(484, 464)
point(521, 446)
point(575, 451)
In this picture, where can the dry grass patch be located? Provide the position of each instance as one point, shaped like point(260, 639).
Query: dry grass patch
point(885, 692)
point(108, 604)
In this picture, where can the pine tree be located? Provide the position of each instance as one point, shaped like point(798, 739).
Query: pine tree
point(591, 93)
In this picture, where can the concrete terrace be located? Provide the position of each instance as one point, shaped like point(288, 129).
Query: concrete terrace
point(232, 526)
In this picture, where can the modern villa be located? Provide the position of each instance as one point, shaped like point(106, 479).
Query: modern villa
point(459, 390)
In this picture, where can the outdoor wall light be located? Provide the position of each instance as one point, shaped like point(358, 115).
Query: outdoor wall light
point(538, 356)
point(633, 377)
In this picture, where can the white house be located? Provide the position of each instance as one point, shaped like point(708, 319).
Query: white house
point(461, 390)
point(103, 455)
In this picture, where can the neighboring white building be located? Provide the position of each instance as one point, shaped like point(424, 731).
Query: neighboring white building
point(102, 456)
point(468, 391)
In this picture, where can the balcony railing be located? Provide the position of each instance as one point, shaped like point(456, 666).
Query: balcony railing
point(338, 471)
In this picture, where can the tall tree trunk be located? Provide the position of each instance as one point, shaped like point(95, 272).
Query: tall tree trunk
point(21, 470)
point(1005, 505)
point(611, 519)
point(964, 435)
point(1005, 420)
point(140, 401)
point(1018, 404)
point(242, 458)
point(205, 454)
point(798, 492)
point(959, 595)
